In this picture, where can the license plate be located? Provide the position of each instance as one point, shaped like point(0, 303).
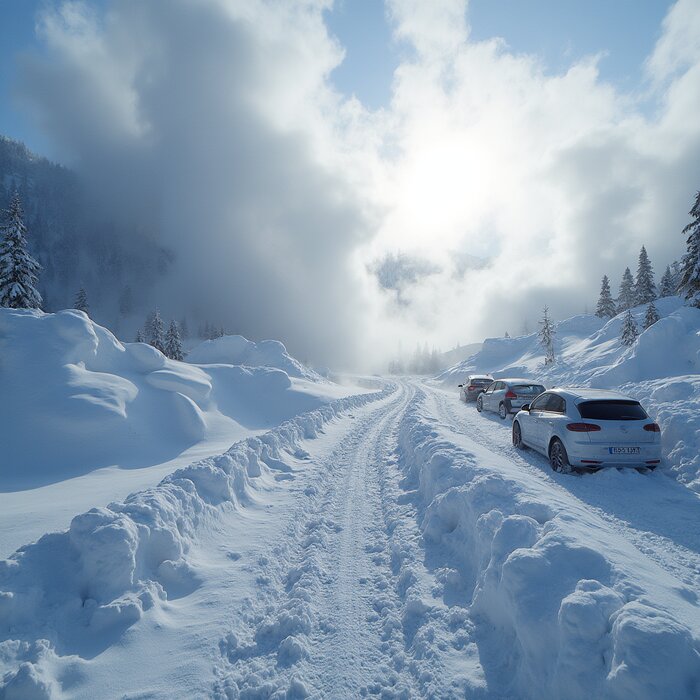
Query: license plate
point(624, 450)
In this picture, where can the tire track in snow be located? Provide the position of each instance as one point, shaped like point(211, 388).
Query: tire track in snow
point(673, 556)
point(341, 610)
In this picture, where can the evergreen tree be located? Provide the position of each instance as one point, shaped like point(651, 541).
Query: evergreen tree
point(19, 272)
point(652, 315)
point(546, 335)
point(666, 286)
point(148, 327)
point(158, 338)
point(173, 344)
point(629, 329)
point(625, 299)
point(507, 335)
point(606, 305)
point(81, 302)
point(139, 336)
point(690, 264)
point(645, 289)
point(677, 273)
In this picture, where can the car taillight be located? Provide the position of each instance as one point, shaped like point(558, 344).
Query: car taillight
point(652, 428)
point(582, 427)
point(511, 394)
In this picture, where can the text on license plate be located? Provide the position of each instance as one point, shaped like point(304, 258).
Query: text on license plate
point(624, 450)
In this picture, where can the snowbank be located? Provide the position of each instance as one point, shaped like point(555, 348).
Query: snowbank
point(237, 350)
point(75, 399)
point(75, 592)
point(661, 369)
point(564, 607)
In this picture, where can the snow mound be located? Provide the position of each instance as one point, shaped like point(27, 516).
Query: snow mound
point(660, 369)
point(563, 606)
point(237, 350)
point(75, 399)
point(74, 593)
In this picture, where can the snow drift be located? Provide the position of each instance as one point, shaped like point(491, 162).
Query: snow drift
point(563, 606)
point(72, 594)
point(74, 398)
point(660, 369)
point(237, 350)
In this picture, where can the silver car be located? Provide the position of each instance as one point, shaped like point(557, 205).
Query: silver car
point(506, 396)
point(475, 384)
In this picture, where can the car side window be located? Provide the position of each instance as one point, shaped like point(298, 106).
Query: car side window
point(540, 402)
point(499, 386)
point(491, 387)
point(556, 404)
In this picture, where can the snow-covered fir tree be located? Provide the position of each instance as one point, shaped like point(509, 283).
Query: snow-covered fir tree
point(644, 288)
point(157, 339)
point(139, 336)
point(651, 316)
point(81, 302)
point(625, 299)
point(606, 305)
point(666, 287)
point(173, 344)
point(690, 264)
point(148, 327)
point(546, 335)
point(19, 272)
point(507, 335)
point(677, 273)
point(629, 329)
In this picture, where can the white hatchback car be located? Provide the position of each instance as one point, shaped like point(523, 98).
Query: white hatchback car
point(588, 428)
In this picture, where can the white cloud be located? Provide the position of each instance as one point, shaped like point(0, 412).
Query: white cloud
point(278, 193)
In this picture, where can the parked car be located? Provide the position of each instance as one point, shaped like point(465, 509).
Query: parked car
point(475, 384)
point(588, 428)
point(506, 396)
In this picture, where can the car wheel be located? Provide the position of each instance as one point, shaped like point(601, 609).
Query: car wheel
point(479, 404)
point(517, 437)
point(558, 457)
point(502, 412)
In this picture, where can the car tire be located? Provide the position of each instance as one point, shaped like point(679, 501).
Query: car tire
point(558, 459)
point(479, 404)
point(518, 437)
point(502, 411)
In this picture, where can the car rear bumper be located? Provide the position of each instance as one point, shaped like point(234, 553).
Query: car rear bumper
point(600, 457)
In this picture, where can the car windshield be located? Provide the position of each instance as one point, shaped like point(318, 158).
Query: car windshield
point(612, 410)
point(528, 389)
point(481, 382)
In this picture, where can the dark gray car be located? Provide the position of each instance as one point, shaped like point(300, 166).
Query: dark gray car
point(475, 384)
point(506, 396)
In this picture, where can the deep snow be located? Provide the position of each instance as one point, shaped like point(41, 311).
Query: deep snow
point(662, 370)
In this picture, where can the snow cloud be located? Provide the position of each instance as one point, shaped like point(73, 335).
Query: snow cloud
point(215, 126)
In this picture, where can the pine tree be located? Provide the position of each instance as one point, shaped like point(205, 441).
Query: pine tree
point(546, 335)
point(629, 329)
point(666, 286)
point(158, 338)
point(19, 272)
point(81, 302)
point(507, 335)
point(645, 289)
point(148, 327)
point(606, 305)
point(139, 336)
point(625, 299)
point(173, 344)
point(652, 315)
point(677, 273)
point(690, 264)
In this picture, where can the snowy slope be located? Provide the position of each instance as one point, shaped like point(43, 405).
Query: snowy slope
point(660, 369)
point(237, 350)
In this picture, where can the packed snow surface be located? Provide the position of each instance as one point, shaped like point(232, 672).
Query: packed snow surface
point(387, 544)
point(661, 369)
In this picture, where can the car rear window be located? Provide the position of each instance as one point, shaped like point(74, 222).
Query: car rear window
point(612, 410)
point(481, 382)
point(529, 389)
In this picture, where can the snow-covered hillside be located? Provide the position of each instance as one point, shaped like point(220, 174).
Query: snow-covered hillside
point(85, 419)
point(661, 369)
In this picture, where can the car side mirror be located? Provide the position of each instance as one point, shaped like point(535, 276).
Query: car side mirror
point(460, 385)
point(525, 407)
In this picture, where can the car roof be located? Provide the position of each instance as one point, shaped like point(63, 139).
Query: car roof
point(480, 376)
point(518, 380)
point(586, 394)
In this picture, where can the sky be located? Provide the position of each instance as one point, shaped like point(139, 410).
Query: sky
point(357, 176)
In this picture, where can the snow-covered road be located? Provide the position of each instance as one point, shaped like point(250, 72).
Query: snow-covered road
point(407, 550)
